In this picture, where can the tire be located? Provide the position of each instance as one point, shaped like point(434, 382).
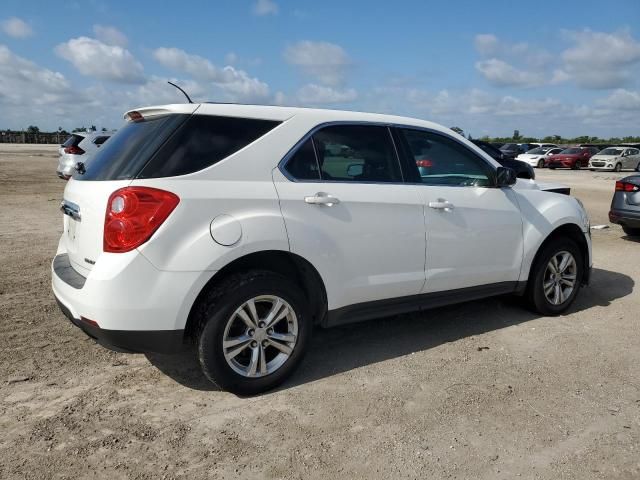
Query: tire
point(632, 232)
point(217, 315)
point(575, 166)
point(552, 168)
point(541, 274)
point(540, 163)
point(618, 167)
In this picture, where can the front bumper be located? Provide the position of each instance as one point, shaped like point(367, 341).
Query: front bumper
point(125, 303)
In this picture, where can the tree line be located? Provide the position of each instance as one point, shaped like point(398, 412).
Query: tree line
point(517, 137)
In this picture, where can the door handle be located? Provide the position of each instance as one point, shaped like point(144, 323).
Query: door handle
point(441, 205)
point(322, 198)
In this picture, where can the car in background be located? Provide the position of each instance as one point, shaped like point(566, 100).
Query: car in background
point(625, 205)
point(510, 150)
point(78, 148)
point(572, 157)
point(537, 156)
point(522, 169)
point(616, 159)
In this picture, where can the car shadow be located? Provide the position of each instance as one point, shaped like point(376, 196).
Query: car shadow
point(631, 238)
point(340, 349)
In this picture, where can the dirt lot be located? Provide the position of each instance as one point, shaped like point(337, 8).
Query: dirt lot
point(483, 390)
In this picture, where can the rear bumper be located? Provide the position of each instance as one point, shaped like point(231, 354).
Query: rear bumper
point(625, 217)
point(125, 303)
point(130, 341)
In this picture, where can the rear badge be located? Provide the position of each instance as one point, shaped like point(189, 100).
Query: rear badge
point(89, 261)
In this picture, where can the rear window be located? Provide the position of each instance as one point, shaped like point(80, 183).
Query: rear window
point(172, 145)
point(100, 140)
point(72, 141)
point(203, 141)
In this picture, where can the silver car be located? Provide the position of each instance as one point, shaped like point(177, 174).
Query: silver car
point(79, 147)
point(625, 205)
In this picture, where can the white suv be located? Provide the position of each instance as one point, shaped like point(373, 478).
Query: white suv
point(238, 228)
point(79, 147)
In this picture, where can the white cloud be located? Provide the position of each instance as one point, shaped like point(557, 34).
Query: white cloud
point(105, 62)
point(16, 28)
point(265, 7)
point(600, 60)
point(327, 63)
point(231, 58)
point(110, 35)
point(313, 94)
point(236, 85)
point(621, 99)
point(502, 74)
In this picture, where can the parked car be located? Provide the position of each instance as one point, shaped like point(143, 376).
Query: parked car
point(625, 205)
point(236, 229)
point(573, 158)
point(523, 170)
point(616, 158)
point(78, 148)
point(536, 157)
point(510, 150)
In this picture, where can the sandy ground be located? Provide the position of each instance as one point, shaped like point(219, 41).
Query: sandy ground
point(483, 390)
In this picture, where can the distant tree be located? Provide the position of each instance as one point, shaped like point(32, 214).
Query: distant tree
point(516, 135)
point(33, 129)
point(93, 128)
point(79, 129)
point(104, 129)
point(458, 130)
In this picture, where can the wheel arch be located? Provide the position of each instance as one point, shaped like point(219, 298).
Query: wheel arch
point(278, 261)
point(566, 230)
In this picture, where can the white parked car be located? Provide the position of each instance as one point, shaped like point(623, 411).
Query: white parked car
point(616, 158)
point(79, 147)
point(239, 228)
point(536, 156)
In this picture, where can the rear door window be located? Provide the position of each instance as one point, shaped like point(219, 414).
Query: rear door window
point(100, 140)
point(357, 153)
point(303, 164)
point(73, 141)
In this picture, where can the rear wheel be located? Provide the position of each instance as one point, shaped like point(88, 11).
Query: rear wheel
point(555, 277)
point(254, 332)
point(618, 167)
point(575, 166)
point(631, 231)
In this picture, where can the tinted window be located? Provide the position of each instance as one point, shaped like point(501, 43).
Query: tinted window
point(203, 141)
point(443, 161)
point(303, 165)
point(100, 140)
point(357, 153)
point(124, 155)
point(72, 141)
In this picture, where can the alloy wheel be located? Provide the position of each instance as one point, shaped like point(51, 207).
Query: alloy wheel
point(560, 277)
point(260, 336)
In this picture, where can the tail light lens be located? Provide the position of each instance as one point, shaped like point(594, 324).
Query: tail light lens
point(74, 150)
point(424, 163)
point(626, 187)
point(133, 215)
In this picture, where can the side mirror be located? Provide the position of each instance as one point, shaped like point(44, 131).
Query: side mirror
point(505, 177)
point(355, 169)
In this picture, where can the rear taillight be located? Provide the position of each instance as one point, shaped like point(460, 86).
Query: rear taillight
point(626, 187)
point(424, 163)
point(133, 215)
point(74, 150)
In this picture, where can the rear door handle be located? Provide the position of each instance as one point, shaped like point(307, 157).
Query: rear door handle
point(441, 205)
point(322, 198)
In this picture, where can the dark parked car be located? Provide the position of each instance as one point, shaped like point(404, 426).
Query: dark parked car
point(522, 169)
point(510, 150)
point(574, 158)
point(625, 205)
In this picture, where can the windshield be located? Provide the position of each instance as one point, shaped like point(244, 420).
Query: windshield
point(509, 146)
point(537, 151)
point(569, 151)
point(611, 151)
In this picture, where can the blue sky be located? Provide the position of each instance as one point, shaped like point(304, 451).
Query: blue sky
point(569, 67)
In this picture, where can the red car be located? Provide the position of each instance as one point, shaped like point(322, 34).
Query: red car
point(574, 158)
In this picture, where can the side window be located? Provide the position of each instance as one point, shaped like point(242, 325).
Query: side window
point(100, 140)
point(303, 165)
point(357, 153)
point(443, 161)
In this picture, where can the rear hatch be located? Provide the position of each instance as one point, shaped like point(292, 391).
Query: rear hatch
point(114, 166)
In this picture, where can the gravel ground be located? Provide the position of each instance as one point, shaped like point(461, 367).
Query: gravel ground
point(483, 390)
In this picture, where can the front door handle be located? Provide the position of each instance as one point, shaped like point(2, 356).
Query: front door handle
point(441, 205)
point(322, 198)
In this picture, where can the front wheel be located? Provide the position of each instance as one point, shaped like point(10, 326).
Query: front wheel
point(618, 167)
point(540, 163)
point(555, 277)
point(254, 332)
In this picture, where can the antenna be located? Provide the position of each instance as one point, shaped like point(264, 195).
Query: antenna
point(185, 93)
